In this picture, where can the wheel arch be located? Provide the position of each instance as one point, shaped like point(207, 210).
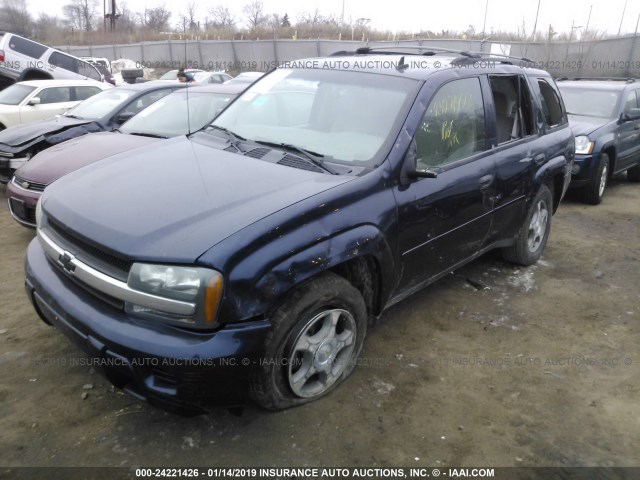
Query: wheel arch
point(34, 74)
point(360, 255)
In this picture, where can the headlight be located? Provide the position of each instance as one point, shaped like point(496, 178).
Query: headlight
point(200, 286)
point(38, 212)
point(583, 145)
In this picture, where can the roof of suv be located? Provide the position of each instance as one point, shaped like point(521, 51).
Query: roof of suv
point(411, 65)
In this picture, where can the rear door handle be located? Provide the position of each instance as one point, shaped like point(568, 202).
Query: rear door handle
point(485, 182)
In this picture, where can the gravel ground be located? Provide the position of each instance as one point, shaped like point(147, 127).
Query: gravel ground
point(492, 366)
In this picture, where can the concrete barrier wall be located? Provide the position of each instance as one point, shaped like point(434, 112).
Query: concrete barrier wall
point(615, 57)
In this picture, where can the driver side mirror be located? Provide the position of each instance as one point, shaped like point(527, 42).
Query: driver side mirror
point(632, 114)
point(123, 117)
point(410, 169)
point(34, 101)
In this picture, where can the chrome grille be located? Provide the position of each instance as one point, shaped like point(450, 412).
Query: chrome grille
point(91, 254)
point(28, 185)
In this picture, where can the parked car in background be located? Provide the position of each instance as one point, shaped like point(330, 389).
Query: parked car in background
point(25, 102)
point(203, 78)
point(248, 258)
point(172, 75)
point(246, 77)
point(98, 61)
point(605, 117)
point(106, 75)
point(24, 59)
point(167, 117)
point(103, 112)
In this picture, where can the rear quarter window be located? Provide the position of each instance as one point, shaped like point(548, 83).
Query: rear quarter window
point(550, 104)
point(26, 47)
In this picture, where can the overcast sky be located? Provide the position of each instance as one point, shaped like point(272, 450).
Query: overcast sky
point(416, 15)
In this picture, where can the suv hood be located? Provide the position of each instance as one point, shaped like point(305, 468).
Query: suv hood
point(584, 125)
point(177, 198)
point(59, 160)
point(26, 132)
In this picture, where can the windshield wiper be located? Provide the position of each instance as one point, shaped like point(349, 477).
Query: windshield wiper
point(234, 139)
point(74, 116)
point(314, 157)
point(145, 134)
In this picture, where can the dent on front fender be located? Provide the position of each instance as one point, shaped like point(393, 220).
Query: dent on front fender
point(251, 299)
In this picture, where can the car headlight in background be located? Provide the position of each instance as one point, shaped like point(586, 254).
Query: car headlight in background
point(584, 145)
point(197, 285)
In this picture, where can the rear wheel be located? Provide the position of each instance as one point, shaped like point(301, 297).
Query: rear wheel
point(594, 191)
point(633, 174)
point(534, 231)
point(313, 345)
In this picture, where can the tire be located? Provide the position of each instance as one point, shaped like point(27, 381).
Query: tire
point(315, 339)
point(534, 232)
point(594, 191)
point(633, 174)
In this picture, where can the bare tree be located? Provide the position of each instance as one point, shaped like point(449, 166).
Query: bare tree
point(190, 17)
point(254, 12)
point(47, 28)
point(127, 21)
point(311, 18)
point(221, 17)
point(15, 17)
point(157, 18)
point(81, 13)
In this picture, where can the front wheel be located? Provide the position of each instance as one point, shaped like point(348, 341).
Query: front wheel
point(313, 345)
point(594, 191)
point(534, 232)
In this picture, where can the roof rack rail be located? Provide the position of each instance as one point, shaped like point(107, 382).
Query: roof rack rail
point(599, 79)
point(469, 55)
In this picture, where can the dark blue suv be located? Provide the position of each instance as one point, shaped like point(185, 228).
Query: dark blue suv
point(605, 117)
point(248, 259)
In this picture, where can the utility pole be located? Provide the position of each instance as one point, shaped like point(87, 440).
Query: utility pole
point(585, 28)
point(484, 25)
point(622, 17)
point(535, 24)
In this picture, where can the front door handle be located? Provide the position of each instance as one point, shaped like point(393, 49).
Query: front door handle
point(485, 182)
point(540, 158)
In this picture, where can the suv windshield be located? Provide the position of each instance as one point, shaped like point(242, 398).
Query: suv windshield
point(101, 104)
point(346, 115)
point(14, 94)
point(590, 102)
point(168, 116)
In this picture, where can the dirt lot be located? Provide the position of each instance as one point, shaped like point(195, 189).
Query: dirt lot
point(540, 368)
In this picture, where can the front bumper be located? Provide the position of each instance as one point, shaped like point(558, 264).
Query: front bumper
point(173, 368)
point(22, 204)
point(585, 166)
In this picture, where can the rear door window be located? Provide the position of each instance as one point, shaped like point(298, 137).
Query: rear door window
point(82, 93)
point(514, 111)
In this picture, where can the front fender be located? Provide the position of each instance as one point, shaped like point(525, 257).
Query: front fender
point(245, 300)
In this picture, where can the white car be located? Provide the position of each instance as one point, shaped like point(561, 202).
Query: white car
point(25, 102)
point(205, 78)
point(23, 59)
point(172, 75)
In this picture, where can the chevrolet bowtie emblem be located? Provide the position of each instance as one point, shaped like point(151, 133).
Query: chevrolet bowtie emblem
point(66, 260)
